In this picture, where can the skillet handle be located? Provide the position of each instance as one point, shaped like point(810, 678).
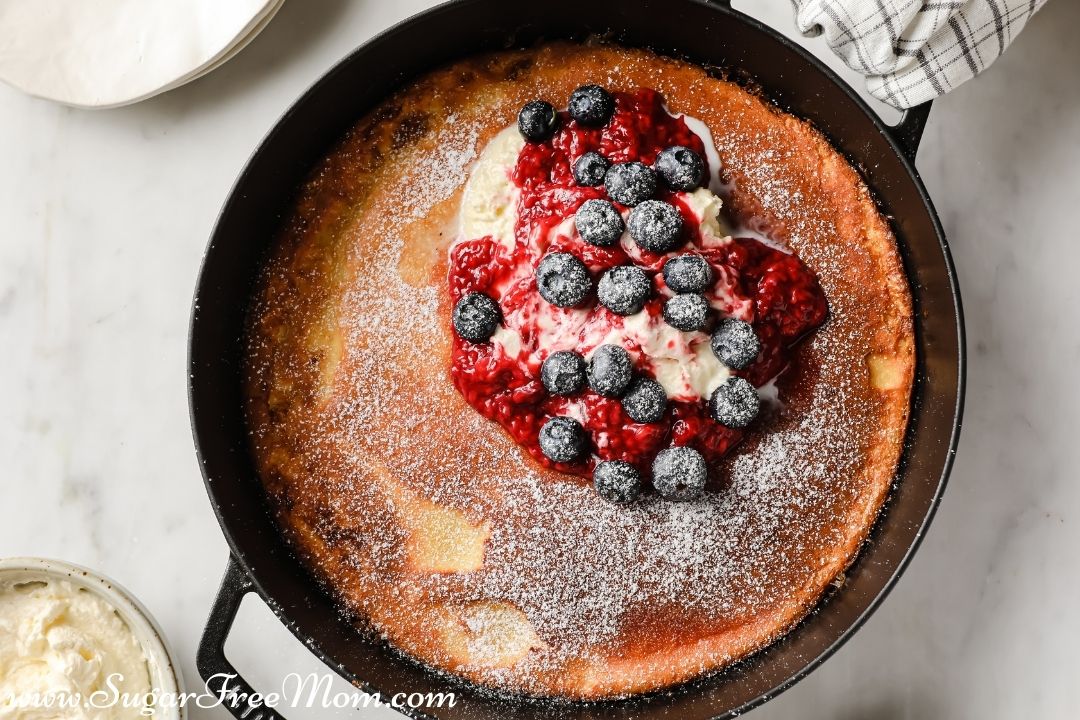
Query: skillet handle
point(221, 678)
point(907, 133)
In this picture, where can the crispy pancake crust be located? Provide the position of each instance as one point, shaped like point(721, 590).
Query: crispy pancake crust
point(430, 526)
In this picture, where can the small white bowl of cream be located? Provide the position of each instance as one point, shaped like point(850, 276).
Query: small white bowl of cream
point(75, 644)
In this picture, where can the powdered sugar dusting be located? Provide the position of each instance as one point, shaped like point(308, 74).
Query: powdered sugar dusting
point(594, 580)
point(440, 173)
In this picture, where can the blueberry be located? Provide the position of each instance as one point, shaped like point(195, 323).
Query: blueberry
point(680, 168)
point(624, 289)
point(645, 401)
point(679, 473)
point(563, 373)
point(688, 274)
point(562, 279)
point(734, 343)
point(562, 439)
point(686, 312)
point(656, 226)
point(599, 223)
point(617, 481)
point(476, 317)
point(630, 183)
point(590, 168)
point(734, 404)
point(591, 106)
point(611, 370)
point(537, 120)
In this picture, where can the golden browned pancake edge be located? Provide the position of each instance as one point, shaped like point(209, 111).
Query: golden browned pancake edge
point(430, 526)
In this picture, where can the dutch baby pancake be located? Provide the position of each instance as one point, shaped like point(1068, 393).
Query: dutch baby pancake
point(579, 371)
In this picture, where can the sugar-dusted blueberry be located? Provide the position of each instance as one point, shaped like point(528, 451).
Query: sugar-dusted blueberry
point(679, 473)
point(630, 183)
point(624, 289)
point(687, 312)
point(645, 401)
point(591, 106)
point(656, 226)
point(735, 343)
point(617, 481)
point(537, 120)
point(476, 317)
point(590, 168)
point(562, 439)
point(563, 372)
point(562, 279)
point(599, 223)
point(611, 370)
point(680, 168)
point(688, 274)
point(735, 403)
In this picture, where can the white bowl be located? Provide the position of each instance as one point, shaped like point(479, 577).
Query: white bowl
point(164, 675)
point(108, 53)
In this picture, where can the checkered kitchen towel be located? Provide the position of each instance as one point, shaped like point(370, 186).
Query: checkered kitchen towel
point(915, 50)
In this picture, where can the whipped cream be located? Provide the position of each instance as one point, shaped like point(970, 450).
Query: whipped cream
point(58, 639)
point(682, 362)
point(489, 202)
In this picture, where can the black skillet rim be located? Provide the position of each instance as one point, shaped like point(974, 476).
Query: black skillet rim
point(904, 154)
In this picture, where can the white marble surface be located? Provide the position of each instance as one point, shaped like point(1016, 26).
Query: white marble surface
point(104, 218)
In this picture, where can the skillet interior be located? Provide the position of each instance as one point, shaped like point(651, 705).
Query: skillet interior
point(703, 33)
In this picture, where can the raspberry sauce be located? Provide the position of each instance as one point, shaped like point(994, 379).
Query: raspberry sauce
point(778, 294)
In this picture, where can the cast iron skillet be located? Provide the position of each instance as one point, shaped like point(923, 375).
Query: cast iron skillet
point(704, 32)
